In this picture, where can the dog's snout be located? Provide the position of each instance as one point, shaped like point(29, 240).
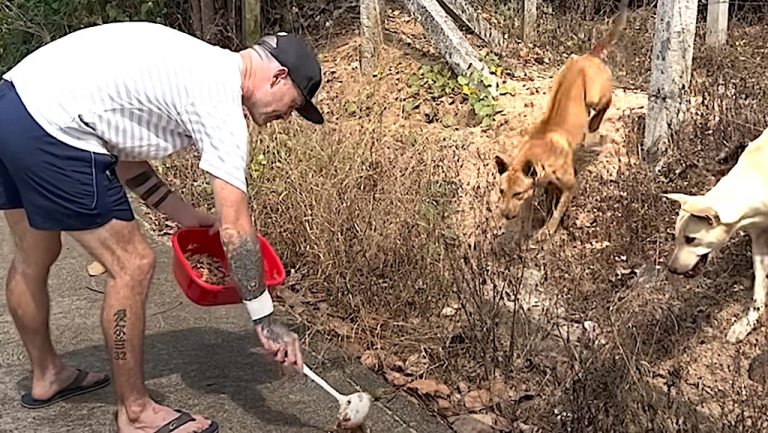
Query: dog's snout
point(672, 268)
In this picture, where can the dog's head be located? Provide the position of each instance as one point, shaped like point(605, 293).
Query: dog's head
point(699, 231)
point(516, 186)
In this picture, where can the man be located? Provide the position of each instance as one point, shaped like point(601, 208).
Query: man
point(80, 118)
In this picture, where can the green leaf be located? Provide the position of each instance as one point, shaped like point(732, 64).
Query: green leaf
point(463, 80)
point(411, 104)
point(414, 80)
point(485, 109)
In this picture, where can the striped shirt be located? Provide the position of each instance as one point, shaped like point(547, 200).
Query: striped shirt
point(140, 91)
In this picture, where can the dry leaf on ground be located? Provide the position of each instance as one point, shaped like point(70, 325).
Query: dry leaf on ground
point(429, 387)
point(394, 363)
point(371, 360)
point(396, 378)
point(478, 399)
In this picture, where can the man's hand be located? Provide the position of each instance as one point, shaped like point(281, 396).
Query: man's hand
point(201, 219)
point(280, 343)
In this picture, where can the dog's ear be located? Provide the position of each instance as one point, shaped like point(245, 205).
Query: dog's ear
point(501, 164)
point(680, 198)
point(711, 215)
point(696, 205)
point(529, 169)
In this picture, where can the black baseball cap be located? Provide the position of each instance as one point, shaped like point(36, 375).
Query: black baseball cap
point(303, 67)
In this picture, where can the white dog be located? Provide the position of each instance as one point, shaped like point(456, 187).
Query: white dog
point(739, 201)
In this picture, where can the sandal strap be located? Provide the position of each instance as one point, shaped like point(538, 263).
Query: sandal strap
point(78, 380)
point(174, 424)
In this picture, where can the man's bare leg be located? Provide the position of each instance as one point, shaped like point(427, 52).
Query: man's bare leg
point(26, 291)
point(130, 262)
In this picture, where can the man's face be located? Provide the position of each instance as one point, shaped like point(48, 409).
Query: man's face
point(274, 100)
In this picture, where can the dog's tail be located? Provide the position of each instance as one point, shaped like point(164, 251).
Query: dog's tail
point(619, 21)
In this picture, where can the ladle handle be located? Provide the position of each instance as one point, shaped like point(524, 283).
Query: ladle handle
point(317, 379)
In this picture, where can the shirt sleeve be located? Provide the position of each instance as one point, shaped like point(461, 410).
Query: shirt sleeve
point(220, 132)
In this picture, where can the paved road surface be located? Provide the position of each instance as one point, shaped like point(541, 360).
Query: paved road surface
point(196, 359)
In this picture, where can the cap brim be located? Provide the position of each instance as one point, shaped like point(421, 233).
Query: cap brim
point(309, 112)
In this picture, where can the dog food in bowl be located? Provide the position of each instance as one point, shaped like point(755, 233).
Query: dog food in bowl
point(207, 268)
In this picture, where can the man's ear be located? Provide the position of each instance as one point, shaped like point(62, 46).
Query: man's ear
point(280, 74)
point(529, 169)
point(501, 164)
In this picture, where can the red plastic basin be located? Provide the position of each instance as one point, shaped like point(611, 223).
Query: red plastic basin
point(199, 241)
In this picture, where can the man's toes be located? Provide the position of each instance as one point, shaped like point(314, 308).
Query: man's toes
point(201, 423)
point(94, 378)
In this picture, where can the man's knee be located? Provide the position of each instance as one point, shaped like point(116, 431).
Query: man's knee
point(143, 266)
point(34, 250)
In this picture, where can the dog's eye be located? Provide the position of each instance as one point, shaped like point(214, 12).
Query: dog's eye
point(689, 240)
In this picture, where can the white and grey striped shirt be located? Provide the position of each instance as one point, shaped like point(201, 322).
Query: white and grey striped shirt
point(140, 91)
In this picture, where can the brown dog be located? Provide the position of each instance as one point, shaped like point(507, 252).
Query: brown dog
point(546, 157)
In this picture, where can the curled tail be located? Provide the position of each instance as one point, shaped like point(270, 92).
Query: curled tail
point(619, 21)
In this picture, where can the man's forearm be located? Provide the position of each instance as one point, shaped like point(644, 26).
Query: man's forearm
point(246, 265)
point(141, 178)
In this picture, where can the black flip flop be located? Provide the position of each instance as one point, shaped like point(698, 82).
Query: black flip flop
point(73, 389)
point(182, 419)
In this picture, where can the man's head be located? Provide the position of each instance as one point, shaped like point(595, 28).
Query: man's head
point(281, 75)
point(699, 230)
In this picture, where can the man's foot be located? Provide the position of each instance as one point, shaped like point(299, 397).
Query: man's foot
point(155, 418)
point(60, 385)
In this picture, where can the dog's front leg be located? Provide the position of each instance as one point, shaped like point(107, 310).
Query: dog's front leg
point(746, 324)
point(557, 216)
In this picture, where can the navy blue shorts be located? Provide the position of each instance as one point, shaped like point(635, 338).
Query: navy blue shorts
point(60, 187)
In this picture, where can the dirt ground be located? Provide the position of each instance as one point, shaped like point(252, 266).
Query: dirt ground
point(647, 350)
point(712, 374)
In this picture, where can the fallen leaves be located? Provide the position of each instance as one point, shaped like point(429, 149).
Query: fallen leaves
point(429, 387)
point(478, 399)
point(465, 408)
point(396, 379)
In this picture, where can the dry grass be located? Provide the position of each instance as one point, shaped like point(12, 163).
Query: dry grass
point(384, 220)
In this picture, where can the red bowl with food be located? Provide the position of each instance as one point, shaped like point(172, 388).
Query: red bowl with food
point(205, 250)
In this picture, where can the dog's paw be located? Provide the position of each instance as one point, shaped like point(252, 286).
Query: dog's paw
point(740, 330)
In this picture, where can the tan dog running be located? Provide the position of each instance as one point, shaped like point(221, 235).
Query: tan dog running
point(739, 201)
point(546, 157)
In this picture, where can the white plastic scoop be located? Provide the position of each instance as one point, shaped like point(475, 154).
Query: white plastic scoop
point(353, 408)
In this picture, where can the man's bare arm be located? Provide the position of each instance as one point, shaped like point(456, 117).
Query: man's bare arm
point(242, 247)
point(240, 242)
point(141, 178)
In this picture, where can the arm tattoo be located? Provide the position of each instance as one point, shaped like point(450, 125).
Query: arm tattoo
point(247, 267)
point(138, 184)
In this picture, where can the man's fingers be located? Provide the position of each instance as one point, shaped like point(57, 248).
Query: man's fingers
point(290, 352)
point(299, 357)
point(260, 334)
point(280, 355)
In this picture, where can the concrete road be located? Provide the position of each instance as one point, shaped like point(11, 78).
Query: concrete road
point(196, 359)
